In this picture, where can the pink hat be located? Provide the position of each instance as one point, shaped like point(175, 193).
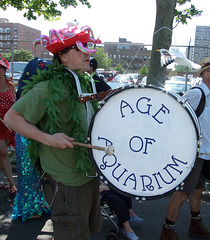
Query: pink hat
point(67, 37)
point(3, 62)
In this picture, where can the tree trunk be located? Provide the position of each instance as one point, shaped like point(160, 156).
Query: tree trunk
point(161, 39)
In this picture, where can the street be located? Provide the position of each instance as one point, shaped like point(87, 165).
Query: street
point(152, 211)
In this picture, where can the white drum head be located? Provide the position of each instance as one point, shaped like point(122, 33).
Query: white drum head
point(155, 141)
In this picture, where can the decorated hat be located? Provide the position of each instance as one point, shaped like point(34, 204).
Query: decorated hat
point(67, 37)
point(3, 62)
point(205, 64)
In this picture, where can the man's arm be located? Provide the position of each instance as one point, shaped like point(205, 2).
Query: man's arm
point(19, 124)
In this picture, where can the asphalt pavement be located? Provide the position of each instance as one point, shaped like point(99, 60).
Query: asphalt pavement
point(152, 211)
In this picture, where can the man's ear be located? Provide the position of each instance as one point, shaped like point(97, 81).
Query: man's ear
point(63, 57)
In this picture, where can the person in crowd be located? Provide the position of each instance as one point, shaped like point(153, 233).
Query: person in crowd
point(122, 207)
point(195, 184)
point(99, 82)
point(29, 202)
point(55, 111)
point(7, 98)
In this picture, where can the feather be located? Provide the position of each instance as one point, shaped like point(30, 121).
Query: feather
point(174, 55)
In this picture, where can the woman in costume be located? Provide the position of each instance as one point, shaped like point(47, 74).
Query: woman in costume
point(29, 202)
point(6, 134)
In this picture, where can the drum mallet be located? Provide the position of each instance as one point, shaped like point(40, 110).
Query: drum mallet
point(204, 154)
point(109, 150)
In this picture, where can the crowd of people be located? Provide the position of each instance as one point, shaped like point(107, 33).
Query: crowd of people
point(52, 112)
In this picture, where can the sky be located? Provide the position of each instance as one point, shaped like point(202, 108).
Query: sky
point(111, 19)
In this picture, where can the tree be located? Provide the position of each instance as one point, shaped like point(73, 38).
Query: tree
point(180, 68)
point(143, 71)
point(46, 8)
point(102, 59)
point(18, 56)
point(119, 68)
point(165, 15)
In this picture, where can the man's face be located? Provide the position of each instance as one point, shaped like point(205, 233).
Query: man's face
point(75, 60)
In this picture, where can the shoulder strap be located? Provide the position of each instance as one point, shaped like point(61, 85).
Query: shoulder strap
point(201, 104)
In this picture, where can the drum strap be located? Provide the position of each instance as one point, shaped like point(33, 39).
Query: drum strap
point(99, 96)
point(201, 104)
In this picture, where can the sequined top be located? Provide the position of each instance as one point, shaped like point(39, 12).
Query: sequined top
point(6, 101)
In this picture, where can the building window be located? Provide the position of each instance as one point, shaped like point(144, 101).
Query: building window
point(7, 30)
point(1, 30)
point(7, 44)
point(7, 37)
point(15, 29)
point(145, 58)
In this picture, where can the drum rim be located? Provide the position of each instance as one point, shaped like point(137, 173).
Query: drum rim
point(184, 104)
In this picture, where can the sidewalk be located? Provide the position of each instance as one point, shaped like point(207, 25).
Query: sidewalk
point(152, 211)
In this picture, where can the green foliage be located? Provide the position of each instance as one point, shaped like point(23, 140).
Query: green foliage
point(102, 59)
point(119, 68)
point(46, 8)
point(143, 71)
point(184, 15)
point(180, 68)
point(18, 56)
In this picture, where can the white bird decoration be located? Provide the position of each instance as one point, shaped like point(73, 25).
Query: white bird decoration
point(174, 55)
point(75, 23)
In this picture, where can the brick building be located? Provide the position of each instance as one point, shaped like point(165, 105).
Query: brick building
point(131, 56)
point(16, 36)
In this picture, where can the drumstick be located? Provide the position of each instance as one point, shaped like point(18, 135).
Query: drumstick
point(109, 150)
point(5, 124)
point(204, 154)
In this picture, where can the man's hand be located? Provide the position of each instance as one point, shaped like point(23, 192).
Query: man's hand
point(59, 140)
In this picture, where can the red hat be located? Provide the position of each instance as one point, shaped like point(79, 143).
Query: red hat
point(67, 37)
point(3, 62)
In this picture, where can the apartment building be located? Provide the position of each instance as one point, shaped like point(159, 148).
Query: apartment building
point(202, 43)
point(16, 36)
point(131, 56)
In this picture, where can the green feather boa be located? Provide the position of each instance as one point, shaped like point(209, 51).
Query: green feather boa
point(59, 78)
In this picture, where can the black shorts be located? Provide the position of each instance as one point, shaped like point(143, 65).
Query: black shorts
point(194, 180)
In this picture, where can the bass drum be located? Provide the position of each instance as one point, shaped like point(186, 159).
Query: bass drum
point(155, 135)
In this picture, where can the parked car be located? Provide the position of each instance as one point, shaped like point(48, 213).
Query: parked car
point(178, 78)
point(18, 68)
point(134, 78)
point(177, 86)
point(121, 80)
